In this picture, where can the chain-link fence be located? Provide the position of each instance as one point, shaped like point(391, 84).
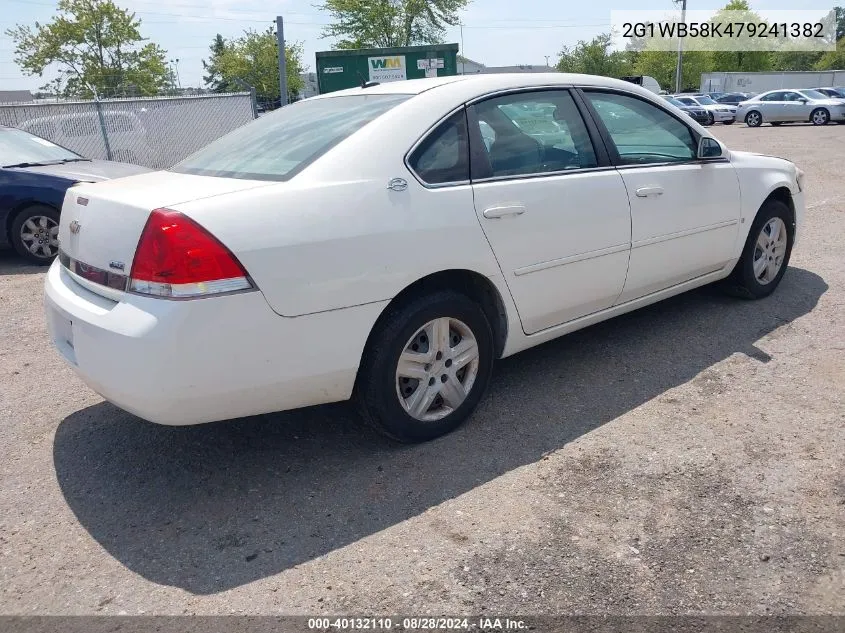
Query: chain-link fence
point(154, 132)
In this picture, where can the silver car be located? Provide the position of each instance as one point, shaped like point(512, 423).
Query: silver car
point(717, 112)
point(790, 106)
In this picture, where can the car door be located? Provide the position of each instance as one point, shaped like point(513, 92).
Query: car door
point(773, 106)
point(553, 209)
point(684, 212)
point(795, 106)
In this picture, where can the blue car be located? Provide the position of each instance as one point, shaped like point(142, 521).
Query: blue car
point(34, 175)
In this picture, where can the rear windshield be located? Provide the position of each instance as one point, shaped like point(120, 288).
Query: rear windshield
point(278, 145)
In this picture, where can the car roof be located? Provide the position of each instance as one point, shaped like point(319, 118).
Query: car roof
point(481, 83)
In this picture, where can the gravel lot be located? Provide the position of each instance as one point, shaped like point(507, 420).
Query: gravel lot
point(687, 458)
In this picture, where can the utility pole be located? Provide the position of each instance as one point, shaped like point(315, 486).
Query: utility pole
point(283, 76)
point(547, 60)
point(678, 74)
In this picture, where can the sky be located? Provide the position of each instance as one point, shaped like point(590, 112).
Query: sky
point(495, 32)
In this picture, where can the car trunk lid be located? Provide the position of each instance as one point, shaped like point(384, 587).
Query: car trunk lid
point(101, 223)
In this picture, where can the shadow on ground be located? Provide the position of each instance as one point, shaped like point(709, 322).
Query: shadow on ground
point(213, 507)
point(13, 264)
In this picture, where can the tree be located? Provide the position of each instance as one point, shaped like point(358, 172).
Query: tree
point(97, 45)
point(595, 58)
point(388, 23)
point(214, 77)
point(661, 66)
point(833, 60)
point(740, 60)
point(253, 60)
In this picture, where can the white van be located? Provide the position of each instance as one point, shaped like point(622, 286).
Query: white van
point(649, 83)
point(83, 134)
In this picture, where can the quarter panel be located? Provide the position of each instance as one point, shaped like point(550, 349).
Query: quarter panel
point(324, 246)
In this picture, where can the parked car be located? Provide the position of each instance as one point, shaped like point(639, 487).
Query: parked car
point(34, 175)
point(83, 132)
point(289, 264)
point(790, 106)
point(833, 93)
point(718, 113)
point(696, 112)
point(733, 98)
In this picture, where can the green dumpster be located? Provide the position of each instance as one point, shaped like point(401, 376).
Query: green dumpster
point(337, 70)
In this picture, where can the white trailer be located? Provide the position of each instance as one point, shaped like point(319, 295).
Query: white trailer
point(763, 81)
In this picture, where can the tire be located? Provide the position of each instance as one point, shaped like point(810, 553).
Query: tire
point(710, 119)
point(36, 227)
point(754, 119)
point(820, 116)
point(377, 391)
point(776, 123)
point(744, 280)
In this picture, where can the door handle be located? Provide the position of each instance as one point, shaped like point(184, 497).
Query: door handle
point(503, 212)
point(644, 192)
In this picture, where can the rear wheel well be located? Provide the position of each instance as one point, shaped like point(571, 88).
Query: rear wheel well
point(474, 285)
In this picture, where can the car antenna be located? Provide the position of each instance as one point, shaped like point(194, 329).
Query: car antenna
point(365, 83)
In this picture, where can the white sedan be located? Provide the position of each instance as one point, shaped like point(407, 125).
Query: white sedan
point(374, 244)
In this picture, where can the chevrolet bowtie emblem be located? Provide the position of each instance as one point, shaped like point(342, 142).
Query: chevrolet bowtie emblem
point(75, 227)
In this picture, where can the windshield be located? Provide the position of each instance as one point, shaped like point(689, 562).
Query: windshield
point(813, 94)
point(278, 145)
point(17, 146)
point(705, 100)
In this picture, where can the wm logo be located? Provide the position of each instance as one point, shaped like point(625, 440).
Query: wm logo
point(385, 62)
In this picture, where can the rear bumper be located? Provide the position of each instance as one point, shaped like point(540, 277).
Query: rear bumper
point(188, 362)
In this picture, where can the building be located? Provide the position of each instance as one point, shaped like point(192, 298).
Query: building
point(521, 68)
point(763, 81)
point(467, 66)
point(309, 89)
point(15, 96)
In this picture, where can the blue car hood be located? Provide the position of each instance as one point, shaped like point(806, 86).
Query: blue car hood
point(89, 170)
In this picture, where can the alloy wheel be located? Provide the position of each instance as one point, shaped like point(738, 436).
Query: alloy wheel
point(40, 236)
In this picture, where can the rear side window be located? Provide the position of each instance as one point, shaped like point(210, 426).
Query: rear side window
point(443, 157)
point(773, 96)
point(279, 145)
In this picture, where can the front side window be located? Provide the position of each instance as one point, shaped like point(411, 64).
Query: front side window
point(642, 132)
point(534, 133)
point(278, 145)
point(443, 156)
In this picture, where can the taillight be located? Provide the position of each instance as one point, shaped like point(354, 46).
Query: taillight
point(178, 258)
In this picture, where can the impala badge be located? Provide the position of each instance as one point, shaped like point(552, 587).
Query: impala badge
point(75, 227)
point(82, 202)
point(117, 265)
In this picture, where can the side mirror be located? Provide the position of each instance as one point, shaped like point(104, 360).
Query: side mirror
point(802, 100)
point(709, 148)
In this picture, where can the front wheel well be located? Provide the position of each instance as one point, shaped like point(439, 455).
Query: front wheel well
point(782, 194)
point(472, 284)
point(16, 210)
